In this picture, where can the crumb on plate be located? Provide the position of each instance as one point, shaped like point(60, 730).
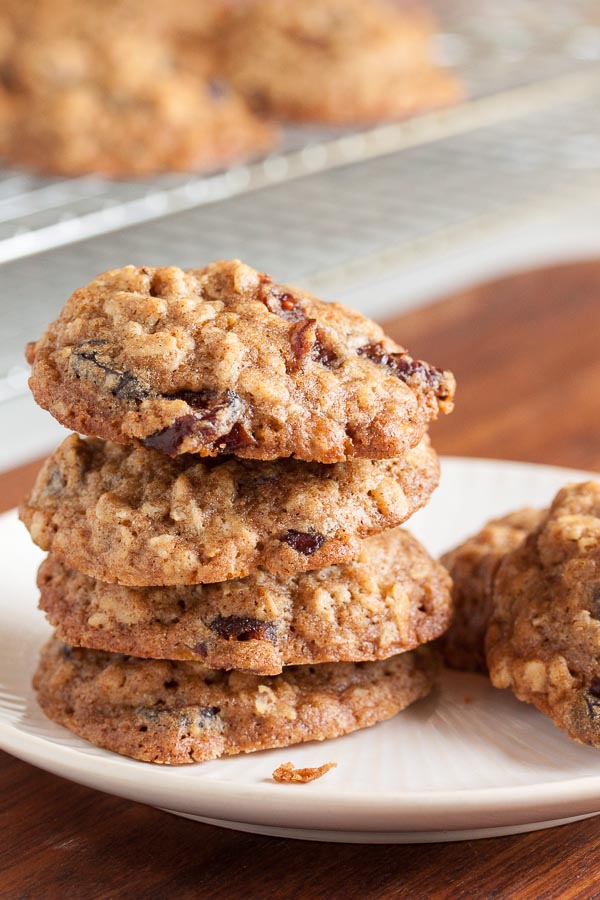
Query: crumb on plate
point(287, 774)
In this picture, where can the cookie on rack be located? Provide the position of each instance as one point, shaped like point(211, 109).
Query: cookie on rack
point(118, 103)
point(138, 517)
point(339, 61)
point(185, 25)
point(392, 598)
point(473, 566)
point(183, 712)
point(543, 640)
point(224, 360)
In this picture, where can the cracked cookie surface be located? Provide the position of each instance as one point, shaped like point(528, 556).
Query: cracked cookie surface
point(472, 567)
point(543, 640)
point(139, 517)
point(223, 360)
point(392, 598)
point(182, 712)
point(340, 61)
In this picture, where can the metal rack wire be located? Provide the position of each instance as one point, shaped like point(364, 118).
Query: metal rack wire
point(331, 199)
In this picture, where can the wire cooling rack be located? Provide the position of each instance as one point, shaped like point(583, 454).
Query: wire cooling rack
point(332, 199)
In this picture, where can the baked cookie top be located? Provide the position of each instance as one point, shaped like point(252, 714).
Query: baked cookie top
point(472, 567)
point(223, 360)
point(119, 103)
point(543, 640)
point(339, 61)
point(141, 518)
point(182, 712)
point(392, 598)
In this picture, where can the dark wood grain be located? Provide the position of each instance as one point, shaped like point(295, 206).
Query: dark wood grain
point(526, 351)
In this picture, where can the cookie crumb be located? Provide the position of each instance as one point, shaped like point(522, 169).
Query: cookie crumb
point(287, 774)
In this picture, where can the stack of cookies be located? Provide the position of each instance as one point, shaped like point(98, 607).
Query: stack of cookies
point(225, 570)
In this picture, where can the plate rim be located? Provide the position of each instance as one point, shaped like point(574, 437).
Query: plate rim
point(114, 772)
point(391, 800)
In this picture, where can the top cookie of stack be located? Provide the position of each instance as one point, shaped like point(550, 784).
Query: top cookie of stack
point(222, 360)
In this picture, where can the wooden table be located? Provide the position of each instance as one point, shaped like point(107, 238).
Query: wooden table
point(526, 352)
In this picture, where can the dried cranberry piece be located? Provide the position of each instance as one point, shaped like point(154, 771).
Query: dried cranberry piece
point(400, 363)
point(406, 368)
point(215, 416)
point(201, 649)
point(282, 304)
point(170, 439)
point(594, 688)
point(201, 716)
point(237, 438)
point(92, 360)
point(324, 354)
point(129, 388)
point(307, 340)
point(243, 628)
point(305, 542)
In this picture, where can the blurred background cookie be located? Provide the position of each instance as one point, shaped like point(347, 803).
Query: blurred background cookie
point(118, 102)
point(339, 61)
point(122, 89)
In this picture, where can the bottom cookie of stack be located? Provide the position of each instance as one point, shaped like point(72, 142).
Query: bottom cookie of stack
point(170, 712)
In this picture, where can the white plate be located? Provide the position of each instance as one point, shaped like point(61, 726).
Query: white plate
point(469, 761)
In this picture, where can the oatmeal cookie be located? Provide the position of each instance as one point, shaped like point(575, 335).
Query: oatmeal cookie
point(389, 600)
point(183, 712)
point(121, 106)
point(473, 566)
point(141, 518)
point(338, 61)
point(543, 640)
point(223, 360)
point(189, 29)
